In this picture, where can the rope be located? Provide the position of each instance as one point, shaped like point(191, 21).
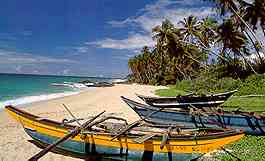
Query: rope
point(250, 124)
point(258, 125)
point(194, 121)
point(201, 122)
point(223, 118)
point(219, 119)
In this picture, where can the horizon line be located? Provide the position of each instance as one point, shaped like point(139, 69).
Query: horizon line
point(64, 75)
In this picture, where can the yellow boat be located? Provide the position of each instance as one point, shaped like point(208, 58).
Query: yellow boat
point(139, 143)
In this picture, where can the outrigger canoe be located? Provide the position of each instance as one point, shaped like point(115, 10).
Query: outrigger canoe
point(188, 100)
point(178, 145)
point(250, 123)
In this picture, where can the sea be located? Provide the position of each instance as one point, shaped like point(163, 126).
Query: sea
point(17, 89)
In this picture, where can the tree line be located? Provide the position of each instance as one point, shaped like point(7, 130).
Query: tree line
point(225, 46)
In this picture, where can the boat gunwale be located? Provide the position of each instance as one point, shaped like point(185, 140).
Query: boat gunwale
point(56, 124)
point(38, 118)
point(224, 94)
point(184, 111)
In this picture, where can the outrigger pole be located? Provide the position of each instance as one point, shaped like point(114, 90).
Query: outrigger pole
point(73, 133)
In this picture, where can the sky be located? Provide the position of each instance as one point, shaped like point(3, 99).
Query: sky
point(83, 37)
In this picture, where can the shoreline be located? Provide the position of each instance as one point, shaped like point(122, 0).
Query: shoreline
point(28, 100)
point(14, 143)
point(68, 94)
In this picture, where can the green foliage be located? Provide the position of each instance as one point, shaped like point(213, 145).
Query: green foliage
point(181, 88)
point(184, 85)
point(208, 85)
point(255, 104)
point(232, 68)
point(171, 91)
point(174, 57)
point(182, 51)
point(254, 84)
point(250, 148)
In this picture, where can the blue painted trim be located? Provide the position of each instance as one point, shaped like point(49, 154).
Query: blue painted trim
point(108, 152)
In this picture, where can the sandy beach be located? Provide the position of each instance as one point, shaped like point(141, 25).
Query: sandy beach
point(14, 145)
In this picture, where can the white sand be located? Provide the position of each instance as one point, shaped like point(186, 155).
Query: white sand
point(13, 140)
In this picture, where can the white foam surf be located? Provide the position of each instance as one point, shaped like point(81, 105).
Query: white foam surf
point(31, 99)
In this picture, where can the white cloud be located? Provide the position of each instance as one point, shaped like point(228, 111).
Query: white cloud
point(254, 56)
point(8, 37)
point(133, 42)
point(82, 49)
point(159, 5)
point(66, 71)
point(35, 72)
point(173, 4)
point(11, 57)
point(153, 14)
point(26, 33)
point(14, 36)
point(260, 35)
point(150, 16)
point(18, 68)
point(121, 23)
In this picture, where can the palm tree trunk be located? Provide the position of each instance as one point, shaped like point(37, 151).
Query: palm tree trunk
point(223, 55)
point(248, 63)
point(245, 23)
point(257, 50)
point(205, 66)
point(205, 48)
point(184, 75)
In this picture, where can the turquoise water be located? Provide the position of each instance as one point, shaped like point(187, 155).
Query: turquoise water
point(18, 86)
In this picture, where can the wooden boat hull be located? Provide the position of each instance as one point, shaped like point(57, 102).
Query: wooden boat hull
point(99, 143)
point(186, 101)
point(84, 149)
point(250, 124)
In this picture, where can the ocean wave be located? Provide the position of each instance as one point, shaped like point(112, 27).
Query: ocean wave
point(31, 99)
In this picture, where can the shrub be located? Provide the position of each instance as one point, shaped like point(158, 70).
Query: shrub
point(254, 84)
point(207, 85)
point(184, 85)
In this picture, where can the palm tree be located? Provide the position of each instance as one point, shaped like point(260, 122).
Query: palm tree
point(254, 13)
point(190, 29)
point(166, 36)
point(232, 39)
point(207, 31)
point(160, 35)
point(225, 5)
point(229, 5)
point(172, 50)
point(205, 34)
point(200, 35)
point(148, 64)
